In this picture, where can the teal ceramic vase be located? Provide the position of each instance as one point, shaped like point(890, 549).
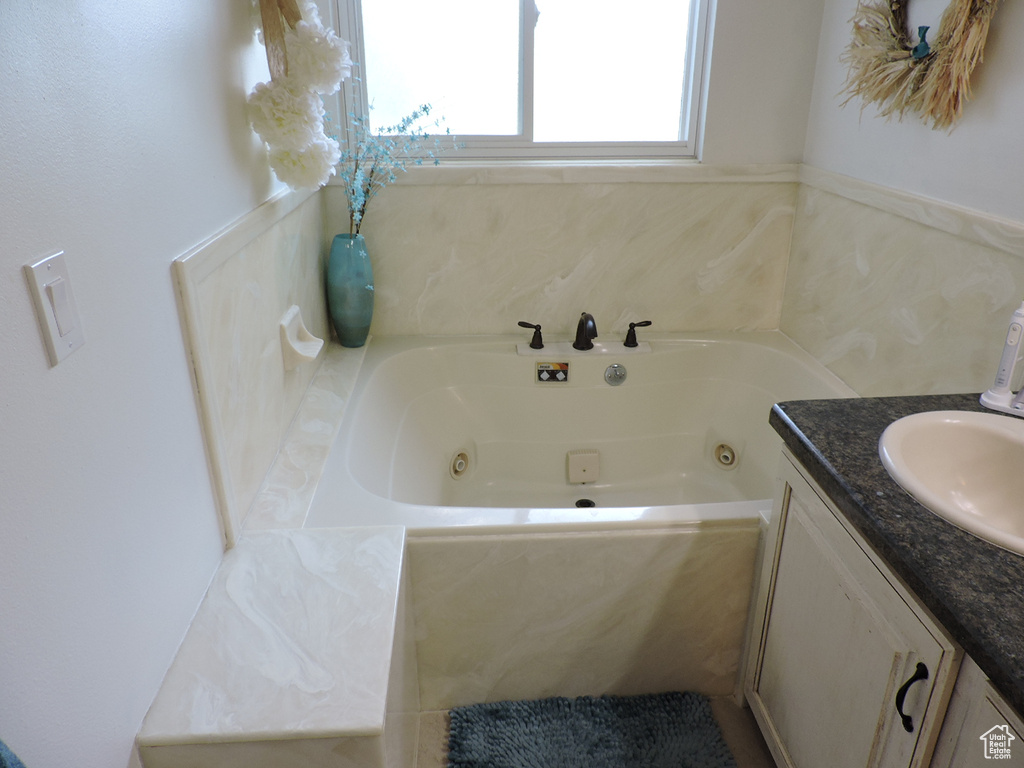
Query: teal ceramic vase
point(350, 289)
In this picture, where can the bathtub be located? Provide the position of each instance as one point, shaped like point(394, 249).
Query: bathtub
point(480, 431)
point(515, 592)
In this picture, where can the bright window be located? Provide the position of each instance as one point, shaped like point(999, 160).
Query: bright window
point(537, 78)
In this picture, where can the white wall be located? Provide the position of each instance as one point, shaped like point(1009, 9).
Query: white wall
point(979, 165)
point(761, 77)
point(123, 143)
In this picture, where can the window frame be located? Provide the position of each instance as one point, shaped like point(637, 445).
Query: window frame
point(352, 98)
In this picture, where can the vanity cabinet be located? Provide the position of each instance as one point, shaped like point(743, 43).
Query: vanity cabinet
point(844, 668)
point(980, 726)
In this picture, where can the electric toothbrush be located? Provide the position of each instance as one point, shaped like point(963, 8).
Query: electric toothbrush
point(1000, 396)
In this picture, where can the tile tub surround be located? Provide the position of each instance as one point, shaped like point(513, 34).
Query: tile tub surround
point(898, 294)
point(265, 676)
point(581, 613)
point(891, 291)
point(287, 491)
point(973, 588)
point(233, 291)
point(478, 250)
point(669, 581)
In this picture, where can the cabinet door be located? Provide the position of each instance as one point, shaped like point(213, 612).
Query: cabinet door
point(980, 726)
point(839, 645)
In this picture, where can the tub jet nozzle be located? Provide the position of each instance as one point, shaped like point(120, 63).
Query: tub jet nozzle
point(725, 455)
point(459, 465)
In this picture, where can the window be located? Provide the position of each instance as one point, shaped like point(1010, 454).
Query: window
point(536, 78)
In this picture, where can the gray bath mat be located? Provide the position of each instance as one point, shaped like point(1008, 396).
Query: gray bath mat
point(664, 730)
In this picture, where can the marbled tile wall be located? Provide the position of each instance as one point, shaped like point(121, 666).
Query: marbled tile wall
point(401, 724)
point(471, 258)
point(238, 289)
point(898, 294)
point(620, 612)
point(264, 677)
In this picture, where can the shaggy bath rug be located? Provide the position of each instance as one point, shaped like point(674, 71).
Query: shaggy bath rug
point(664, 730)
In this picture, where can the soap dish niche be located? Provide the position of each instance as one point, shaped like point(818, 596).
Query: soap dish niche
point(298, 345)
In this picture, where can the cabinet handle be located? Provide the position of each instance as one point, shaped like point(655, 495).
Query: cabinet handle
point(920, 674)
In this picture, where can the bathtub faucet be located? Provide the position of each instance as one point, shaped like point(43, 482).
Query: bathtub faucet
point(585, 331)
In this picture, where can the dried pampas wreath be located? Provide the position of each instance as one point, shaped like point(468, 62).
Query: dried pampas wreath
point(888, 69)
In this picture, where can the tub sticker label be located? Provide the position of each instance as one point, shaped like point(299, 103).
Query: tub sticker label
point(552, 373)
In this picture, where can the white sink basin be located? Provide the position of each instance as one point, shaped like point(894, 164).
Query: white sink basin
point(966, 467)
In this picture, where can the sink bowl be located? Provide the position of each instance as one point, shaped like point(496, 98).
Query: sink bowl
point(966, 467)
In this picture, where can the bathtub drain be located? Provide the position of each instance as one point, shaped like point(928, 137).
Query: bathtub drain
point(585, 503)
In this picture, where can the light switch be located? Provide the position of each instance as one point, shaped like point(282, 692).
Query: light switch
point(55, 306)
point(57, 293)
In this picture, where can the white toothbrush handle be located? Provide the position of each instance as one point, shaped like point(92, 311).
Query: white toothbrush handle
point(1009, 359)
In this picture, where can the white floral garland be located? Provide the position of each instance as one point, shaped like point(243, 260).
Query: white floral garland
point(287, 112)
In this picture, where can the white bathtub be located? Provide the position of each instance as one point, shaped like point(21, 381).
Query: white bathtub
point(459, 432)
point(535, 597)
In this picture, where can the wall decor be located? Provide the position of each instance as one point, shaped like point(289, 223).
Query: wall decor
point(306, 59)
point(900, 75)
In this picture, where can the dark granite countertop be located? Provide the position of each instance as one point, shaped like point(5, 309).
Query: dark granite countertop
point(975, 589)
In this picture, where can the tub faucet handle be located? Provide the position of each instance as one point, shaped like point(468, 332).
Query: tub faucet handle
point(537, 342)
point(631, 333)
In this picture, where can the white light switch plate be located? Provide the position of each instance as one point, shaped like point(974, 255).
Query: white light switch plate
point(55, 306)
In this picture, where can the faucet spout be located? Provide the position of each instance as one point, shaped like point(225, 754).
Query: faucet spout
point(586, 330)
